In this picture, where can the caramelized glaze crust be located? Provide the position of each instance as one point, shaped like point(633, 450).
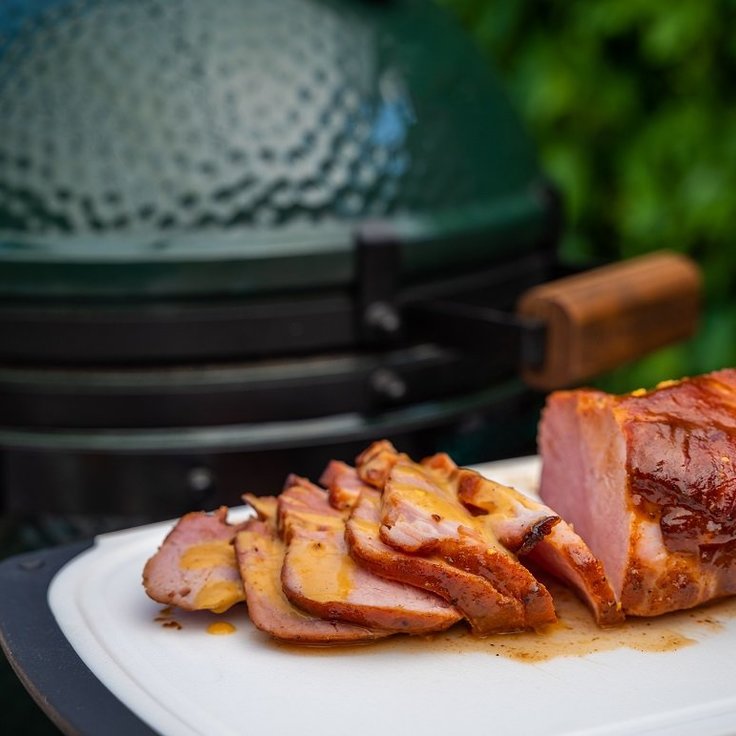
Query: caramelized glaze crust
point(681, 442)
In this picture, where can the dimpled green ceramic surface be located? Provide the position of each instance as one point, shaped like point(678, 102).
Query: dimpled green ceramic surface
point(168, 148)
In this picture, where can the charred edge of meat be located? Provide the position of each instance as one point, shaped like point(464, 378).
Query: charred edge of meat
point(375, 463)
point(512, 579)
point(536, 534)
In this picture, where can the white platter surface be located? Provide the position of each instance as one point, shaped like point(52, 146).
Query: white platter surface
point(190, 682)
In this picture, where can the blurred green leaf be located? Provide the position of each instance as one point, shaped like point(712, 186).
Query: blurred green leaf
point(634, 110)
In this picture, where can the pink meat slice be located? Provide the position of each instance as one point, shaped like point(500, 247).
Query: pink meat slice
point(421, 514)
point(319, 576)
point(261, 556)
point(515, 520)
point(195, 566)
point(342, 483)
point(375, 463)
point(535, 531)
point(565, 555)
point(488, 611)
point(649, 481)
point(266, 507)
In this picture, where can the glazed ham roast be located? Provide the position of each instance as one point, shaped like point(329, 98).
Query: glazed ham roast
point(648, 480)
point(639, 518)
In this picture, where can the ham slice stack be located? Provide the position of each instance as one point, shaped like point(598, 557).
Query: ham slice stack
point(388, 546)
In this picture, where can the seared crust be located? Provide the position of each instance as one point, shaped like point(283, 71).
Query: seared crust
point(681, 454)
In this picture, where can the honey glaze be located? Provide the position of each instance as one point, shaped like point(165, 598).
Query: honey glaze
point(221, 628)
point(206, 555)
point(574, 635)
point(219, 595)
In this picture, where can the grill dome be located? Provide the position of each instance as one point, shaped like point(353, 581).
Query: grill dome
point(142, 134)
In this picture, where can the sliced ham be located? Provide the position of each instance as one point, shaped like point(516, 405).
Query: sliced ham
point(564, 554)
point(260, 556)
point(533, 530)
point(422, 515)
point(319, 576)
point(266, 507)
point(649, 481)
point(195, 566)
point(342, 483)
point(375, 462)
point(392, 546)
point(517, 521)
point(487, 610)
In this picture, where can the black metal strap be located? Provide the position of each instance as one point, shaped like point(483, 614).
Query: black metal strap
point(480, 330)
point(378, 263)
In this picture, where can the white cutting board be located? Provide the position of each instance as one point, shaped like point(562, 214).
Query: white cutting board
point(190, 682)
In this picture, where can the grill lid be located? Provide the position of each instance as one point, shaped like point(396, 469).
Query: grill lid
point(173, 148)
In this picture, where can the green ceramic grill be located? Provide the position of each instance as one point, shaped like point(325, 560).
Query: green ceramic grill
point(229, 236)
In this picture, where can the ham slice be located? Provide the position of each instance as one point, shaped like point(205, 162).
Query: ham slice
point(422, 515)
point(564, 554)
point(266, 507)
point(342, 483)
point(649, 481)
point(487, 610)
point(517, 521)
point(375, 463)
point(319, 576)
point(533, 530)
point(195, 566)
point(260, 556)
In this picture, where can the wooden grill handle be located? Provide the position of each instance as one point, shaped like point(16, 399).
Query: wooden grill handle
point(600, 319)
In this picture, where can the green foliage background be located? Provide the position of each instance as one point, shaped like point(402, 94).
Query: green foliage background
point(633, 106)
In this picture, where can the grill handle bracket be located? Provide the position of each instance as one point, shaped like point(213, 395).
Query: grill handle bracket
point(567, 331)
point(378, 265)
point(481, 330)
